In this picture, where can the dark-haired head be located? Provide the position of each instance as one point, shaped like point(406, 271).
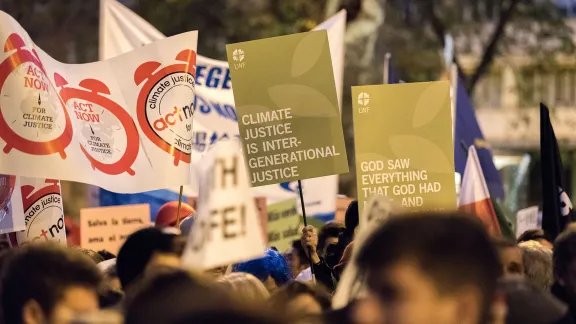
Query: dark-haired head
point(445, 259)
point(537, 235)
point(43, 281)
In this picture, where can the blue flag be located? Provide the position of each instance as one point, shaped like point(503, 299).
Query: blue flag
point(155, 198)
point(467, 132)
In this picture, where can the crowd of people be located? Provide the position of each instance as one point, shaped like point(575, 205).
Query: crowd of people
point(415, 269)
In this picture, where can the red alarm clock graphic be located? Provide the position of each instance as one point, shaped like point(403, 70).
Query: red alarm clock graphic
point(7, 184)
point(165, 104)
point(107, 134)
point(32, 116)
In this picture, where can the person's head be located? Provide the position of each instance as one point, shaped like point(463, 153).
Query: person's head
point(564, 260)
point(107, 255)
point(168, 213)
point(537, 235)
point(144, 248)
point(510, 254)
point(48, 283)
point(328, 235)
point(93, 255)
point(431, 268)
point(271, 269)
point(352, 218)
point(301, 298)
point(245, 286)
point(537, 264)
point(296, 258)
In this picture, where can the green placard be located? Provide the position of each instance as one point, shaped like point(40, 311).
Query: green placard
point(284, 224)
point(287, 108)
point(403, 142)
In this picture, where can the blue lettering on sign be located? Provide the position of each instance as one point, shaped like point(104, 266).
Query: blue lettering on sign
point(206, 107)
point(200, 142)
point(213, 77)
point(290, 186)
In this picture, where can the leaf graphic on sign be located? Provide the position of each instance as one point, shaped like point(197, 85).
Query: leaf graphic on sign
point(430, 104)
point(404, 146)
point(296, 96)
point(307, 53)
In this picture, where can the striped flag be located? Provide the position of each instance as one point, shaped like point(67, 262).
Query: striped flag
point(474, 195)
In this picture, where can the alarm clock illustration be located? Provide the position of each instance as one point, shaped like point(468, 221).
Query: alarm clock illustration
point(7, 184)
point(32, 116)
point(107, 134)
point(165, 105)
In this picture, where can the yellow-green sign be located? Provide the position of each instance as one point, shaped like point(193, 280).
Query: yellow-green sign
point(404, 148)
point(284, 224)
point(287, 108)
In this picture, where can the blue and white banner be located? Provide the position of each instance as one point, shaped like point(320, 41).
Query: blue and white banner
point(122, 30)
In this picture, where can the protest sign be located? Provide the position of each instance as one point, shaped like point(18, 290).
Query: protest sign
point(123, 124)
point(287, 108)
point(122, 30)
point(527, 219)
point(403, 143)
point(227, 226)
point(284, 224)
point(106, 228)
point(43, 212)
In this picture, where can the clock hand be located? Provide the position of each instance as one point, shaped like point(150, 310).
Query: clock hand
point(92, 130)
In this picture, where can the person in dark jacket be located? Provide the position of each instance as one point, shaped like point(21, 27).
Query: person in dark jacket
point(564, 259)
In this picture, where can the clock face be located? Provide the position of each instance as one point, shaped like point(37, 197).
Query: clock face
point(167, 115)
point(99, 131)
point(30, 105)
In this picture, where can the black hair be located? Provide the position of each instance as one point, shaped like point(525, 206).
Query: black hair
point(453, 249)
point(533, 235)
point(107, 255)
point(330, 229)
point(137, 251)
point(564, 252)
point(503, 243)
point(287, 293)
point(297, 245)
point(352, 217)
point(42, 273)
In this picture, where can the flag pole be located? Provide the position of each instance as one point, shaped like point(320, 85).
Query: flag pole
point(300, 191)
point(387, 57)
point(179, 206)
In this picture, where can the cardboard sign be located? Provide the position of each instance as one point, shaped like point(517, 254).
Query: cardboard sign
point(403, 143)
point(287, 108)
point(106, 228)
point(123, 124)
point(43, 212)
point(284, 224)
point(527, 219)
point(227, 226)
point(260, 205)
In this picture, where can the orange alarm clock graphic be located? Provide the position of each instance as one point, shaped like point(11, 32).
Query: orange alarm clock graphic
point(107, 134)
point(32, 116)
point(165, 105)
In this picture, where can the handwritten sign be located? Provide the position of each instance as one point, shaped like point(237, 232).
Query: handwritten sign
point(403, 142)
point(106, 228)
point(227, 228)
point(287, 108)
point(527, 219)
point(284, 224)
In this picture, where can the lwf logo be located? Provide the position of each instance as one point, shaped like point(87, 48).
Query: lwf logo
point(238, 56)
point(363, 101)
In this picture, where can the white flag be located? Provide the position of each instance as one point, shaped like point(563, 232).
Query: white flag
point(227, 227)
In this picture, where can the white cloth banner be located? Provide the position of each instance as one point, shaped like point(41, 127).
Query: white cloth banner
point(43, 214)
point(122, 30)
point(227, 226)
point(123, 124)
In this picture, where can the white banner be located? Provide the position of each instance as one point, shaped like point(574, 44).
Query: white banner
point(43, 212)
point(227, 226)
point(124, 124)
point(122, 30)
point(11, 204)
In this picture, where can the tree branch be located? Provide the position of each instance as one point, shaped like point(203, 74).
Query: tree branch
point(439, 30)
point(490, 51)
